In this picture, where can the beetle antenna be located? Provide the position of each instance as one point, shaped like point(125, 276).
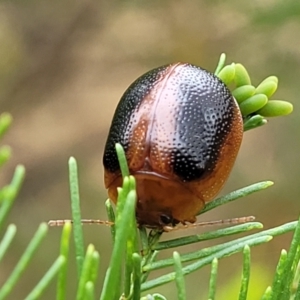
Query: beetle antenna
point(83, 221)
point(240, 220)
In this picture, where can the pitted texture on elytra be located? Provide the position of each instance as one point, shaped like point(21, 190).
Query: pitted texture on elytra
point(205, 119)
point(173, 120)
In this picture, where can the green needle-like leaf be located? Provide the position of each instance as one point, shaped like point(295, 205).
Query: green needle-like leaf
point(267, 294)
point(256, 187)
point(112, 282)
point(211, 250)
point(122, 160)
point(89, 291)
point(64, 252)
point(297, 294)
point(24, 261)
point(296, 280)
point(122, 194)
point(195, 255)
point(75, 205)
point(144, 241)
point(7, 239)
point(137, 274)
point(213, 279)
point(207, 235)
point(276, 287)
point(150, 259)
point(179, 276)
point(131, 248)
point(295, 276)
point(94, 267)
point(246, 274)
point(11, 193)
point(86, 272)
point(46, 279)
point(111, 217)
point(205, 261)
point(285, 271)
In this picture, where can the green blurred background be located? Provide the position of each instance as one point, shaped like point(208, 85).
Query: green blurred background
point(64, 66)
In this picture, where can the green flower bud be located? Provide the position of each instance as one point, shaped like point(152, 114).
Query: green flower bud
point(268, 88)
point(243, 92)
point(241, 76)
point(253, 104)
point(254, 121)
point(275, 108)
point(227, 74)
point(271, 78)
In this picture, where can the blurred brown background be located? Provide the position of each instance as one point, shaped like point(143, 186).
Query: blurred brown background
point(64, 66)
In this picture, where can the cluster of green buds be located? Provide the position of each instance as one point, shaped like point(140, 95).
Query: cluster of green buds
point(254, 102)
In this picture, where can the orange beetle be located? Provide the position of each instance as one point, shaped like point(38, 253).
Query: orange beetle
point(181, 130)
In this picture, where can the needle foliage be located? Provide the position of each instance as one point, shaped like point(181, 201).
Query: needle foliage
point(134, 254)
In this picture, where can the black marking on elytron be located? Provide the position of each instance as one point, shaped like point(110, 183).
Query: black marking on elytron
point(119, 132)
point(204, 121)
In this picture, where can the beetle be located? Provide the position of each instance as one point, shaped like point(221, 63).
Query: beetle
point(181, 130)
